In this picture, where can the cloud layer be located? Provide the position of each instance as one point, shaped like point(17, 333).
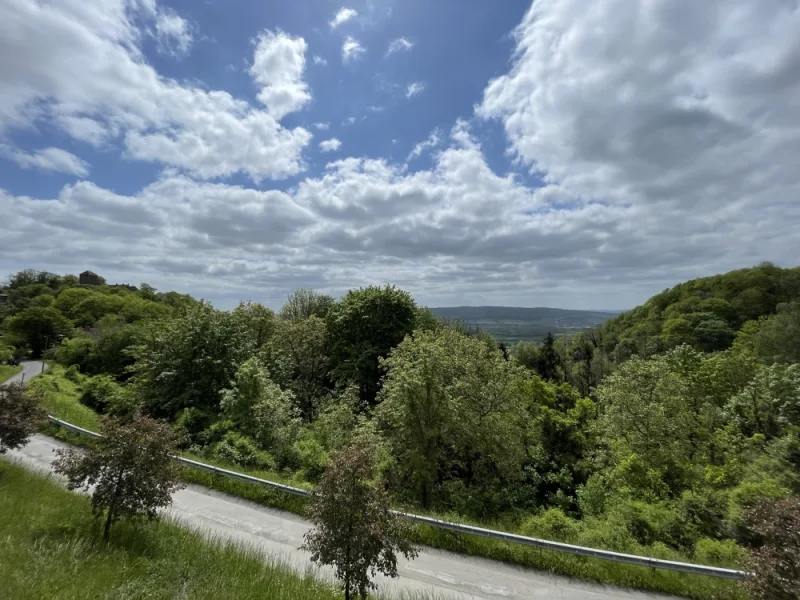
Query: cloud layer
point(653, 142)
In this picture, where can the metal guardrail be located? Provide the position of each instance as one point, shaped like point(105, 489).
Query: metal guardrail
point(502, 536)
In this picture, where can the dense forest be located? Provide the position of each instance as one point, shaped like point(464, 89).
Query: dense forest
point(650, 434)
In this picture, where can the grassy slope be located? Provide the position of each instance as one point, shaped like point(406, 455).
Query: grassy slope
point(50, 547)
point(6, 372)
point(64, 404)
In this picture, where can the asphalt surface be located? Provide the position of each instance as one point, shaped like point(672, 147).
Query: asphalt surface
point(30, 368)
point(444, 575)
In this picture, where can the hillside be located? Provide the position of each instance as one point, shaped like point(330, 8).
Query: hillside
point(515, 324)
point(705, 313)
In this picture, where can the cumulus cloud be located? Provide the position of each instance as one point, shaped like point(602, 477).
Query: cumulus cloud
point(415, 88)
point(322, 126)
point(330, 145)
point(351, 49)
point(433, 140)
point(173, 34)
point(662, 142)
point(318, 60)
point(47, 159)
point(348, 121)
point(399, 45)
point(343, 16)
point(278, 66)
point(78, 66)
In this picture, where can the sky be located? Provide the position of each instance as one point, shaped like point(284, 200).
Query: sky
point(559, 153)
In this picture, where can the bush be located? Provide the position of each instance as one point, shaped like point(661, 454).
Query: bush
point(99, 392)
point(73, 374)
point(77, 351)
point(552, 524)
point(312, 457)
point(723, 553)
point(243, 451)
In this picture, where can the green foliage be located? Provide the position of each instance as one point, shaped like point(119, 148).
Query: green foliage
point(452, 408)
point(303, 304)
point(129, 470)
point(362, 328)
point(778, 338)
point(185, 361)
point(240, 450)
point(354, 529)
point(38, 328)
point(704, 313)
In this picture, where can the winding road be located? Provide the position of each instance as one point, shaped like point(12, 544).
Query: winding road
point(30, 369)
point(444, 575)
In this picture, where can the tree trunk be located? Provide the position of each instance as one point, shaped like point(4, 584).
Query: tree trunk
point(347, 588)
point(107, 528)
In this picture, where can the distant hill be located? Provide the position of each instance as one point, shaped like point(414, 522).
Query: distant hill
point(705, 313)
point(514, 324)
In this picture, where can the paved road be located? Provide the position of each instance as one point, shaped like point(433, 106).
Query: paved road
point(280, 534)
point(30, 368)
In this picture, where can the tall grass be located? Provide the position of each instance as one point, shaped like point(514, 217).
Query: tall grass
point(65, 403)
point(6, 372)
point(51, 547)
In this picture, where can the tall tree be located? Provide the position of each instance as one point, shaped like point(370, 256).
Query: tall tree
point(129, 470)
point(549, 362)
point(354, 528)
point(303, 304)
point(362, 328)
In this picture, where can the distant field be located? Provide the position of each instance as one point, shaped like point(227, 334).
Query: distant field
point(512, 324)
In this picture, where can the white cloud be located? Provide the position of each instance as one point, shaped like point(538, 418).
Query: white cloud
point(278, 66)
point(415, 88)
point(343, 16)
point(433, 140)
point(665, 136)
point(351, 49)
point(78, 66)
point(173, 34)
point(47, 159)
point(318, 60)
point(330, 145)
point(348, 121)
point(322, 126)
point(399, 45)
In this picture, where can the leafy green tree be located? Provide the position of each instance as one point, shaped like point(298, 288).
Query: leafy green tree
point(549, 362)
point(354, 528)
point(770, 404)
point(299, 345)
point(452, 406)
point(362, 328)
point(111, 353)
point(257, 320)
point(775, 563)
point(129, 470)
point(778, 338)
point(20, 415)
point(185, 361)
point(303, 304)
point(39, 328)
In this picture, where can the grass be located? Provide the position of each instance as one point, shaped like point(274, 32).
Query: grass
point(6, 372)
point(51, 547)
point(64, 404)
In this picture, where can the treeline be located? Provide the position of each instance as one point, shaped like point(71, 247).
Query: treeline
point(660, 450)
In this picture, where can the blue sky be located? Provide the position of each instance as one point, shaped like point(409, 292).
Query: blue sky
point(473, 152)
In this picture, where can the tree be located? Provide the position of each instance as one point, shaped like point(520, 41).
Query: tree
point(20, 414)
point(362, 328)
point(549, 361)
point(129, 470)
point(186, 360)
point(775, 564)
point(452, 408)
point(303, 304)
point(354, 528)
point(39, 328)
point(778, 339)
point(257, 320)
point(299, 347)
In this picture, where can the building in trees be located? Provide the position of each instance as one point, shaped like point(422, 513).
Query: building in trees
point(89, 278)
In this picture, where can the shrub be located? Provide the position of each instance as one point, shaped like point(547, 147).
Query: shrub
point(724, 553)
point(243, 451)
point(552, 524)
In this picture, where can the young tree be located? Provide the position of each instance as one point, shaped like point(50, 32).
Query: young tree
point(19, 415)
point(303, 304)
point(129, 470)
point(776, 564)
point(354, 529)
